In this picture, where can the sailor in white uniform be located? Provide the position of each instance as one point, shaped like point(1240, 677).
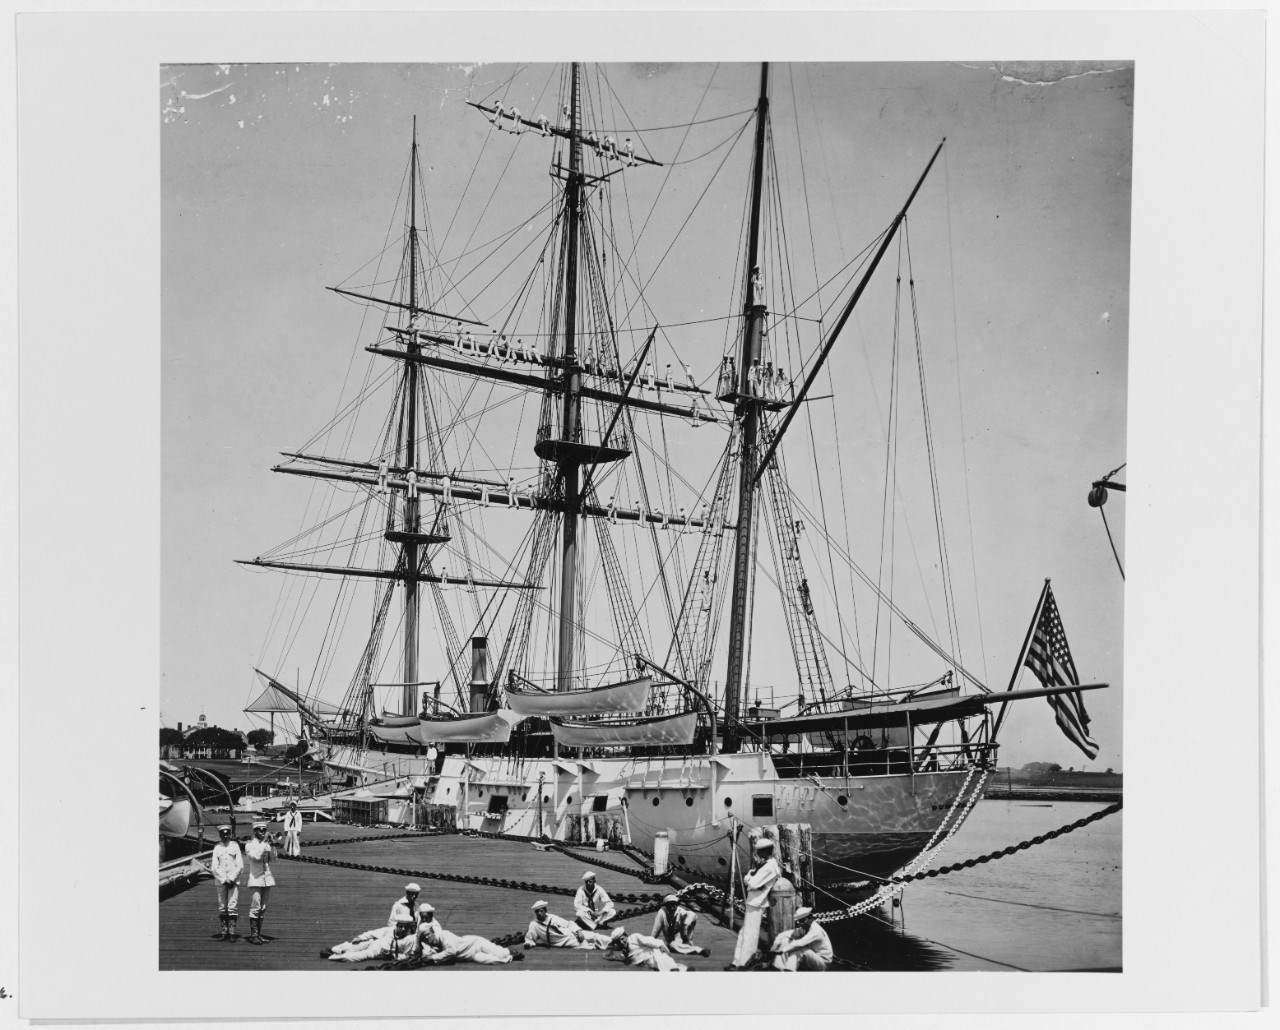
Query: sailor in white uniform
point(806, 948)
point(674, 925)
point(551, 931)
point(260, 853)
point(593, 906)
point(293, 830)
point(439, 945)
point(648, 952)
point(759, 882)
point(398, 944)
point(406, 907)
point(226, 865)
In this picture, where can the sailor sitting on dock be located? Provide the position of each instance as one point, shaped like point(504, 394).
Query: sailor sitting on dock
point(806, 948)
point(673, 925)
point(549, 931)
point(440, 946)
point(639, 950)
point(398, 944)
point(406, 907)
point(592, 904)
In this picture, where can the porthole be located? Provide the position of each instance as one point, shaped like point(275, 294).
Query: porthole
point(546, 799)
point(722, 861)
point(680, 860)
point(728, 802)
point(655, 801)
point(480, 793)
point(448, 791)
point(524, 796)
point(688, 802)
point(568, 799)
point(842, 800)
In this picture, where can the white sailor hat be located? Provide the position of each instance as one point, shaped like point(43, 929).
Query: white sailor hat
point(259, 826)
point(669, 899)
point(804, 912)
point(538, 904)
point(224, 828)
point(589, 875)
point(762, 843)
point(412, 888)
point(618, 931)
point(426, 906)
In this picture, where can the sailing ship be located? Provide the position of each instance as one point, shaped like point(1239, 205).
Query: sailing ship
point(591, 667)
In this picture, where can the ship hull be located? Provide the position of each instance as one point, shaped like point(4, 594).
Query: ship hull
point(862, 826)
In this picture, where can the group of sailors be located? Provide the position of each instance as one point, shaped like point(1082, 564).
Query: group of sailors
point(413, 932)
point(763, 380)
point(606, 146)
point(227, 863)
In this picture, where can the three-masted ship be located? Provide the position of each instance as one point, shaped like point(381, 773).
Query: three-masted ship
point(592, 664)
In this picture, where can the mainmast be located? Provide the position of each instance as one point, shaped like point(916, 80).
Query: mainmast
point(408, 702)
point(572, 405)
point(748, 410)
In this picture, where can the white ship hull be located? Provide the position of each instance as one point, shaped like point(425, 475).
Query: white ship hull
point(861, 825)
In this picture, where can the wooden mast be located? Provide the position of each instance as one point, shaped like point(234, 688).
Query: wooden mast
point(571, 406)
point(408, 702)
point(748, 410)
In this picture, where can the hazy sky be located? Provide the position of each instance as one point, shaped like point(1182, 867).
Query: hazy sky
point(280, 180)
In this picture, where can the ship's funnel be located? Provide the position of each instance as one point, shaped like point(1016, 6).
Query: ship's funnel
point(479, 673)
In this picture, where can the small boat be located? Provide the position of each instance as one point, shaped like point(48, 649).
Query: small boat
point(631, 695)
point(660, 730)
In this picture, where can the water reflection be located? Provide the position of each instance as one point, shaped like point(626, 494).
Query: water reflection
point(878, 942)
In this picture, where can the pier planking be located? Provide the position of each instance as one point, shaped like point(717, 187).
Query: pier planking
point(316, 906)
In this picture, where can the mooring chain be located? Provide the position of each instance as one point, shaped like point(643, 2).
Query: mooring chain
point(895, 884)
point(485, 881)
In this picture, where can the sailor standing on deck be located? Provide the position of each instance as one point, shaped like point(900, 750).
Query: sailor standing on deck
point(548, 931)
point(806, 948)
point(759, 882)
point(260, 852)
point(226, 865)
point(293, 830)
point(592, 904)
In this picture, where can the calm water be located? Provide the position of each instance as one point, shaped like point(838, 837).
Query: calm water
point(1055, 906)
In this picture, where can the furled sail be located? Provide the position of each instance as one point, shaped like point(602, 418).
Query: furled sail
point(628, 696)
point(663, 729)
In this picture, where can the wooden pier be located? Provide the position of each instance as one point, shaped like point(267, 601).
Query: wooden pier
point(315, 904)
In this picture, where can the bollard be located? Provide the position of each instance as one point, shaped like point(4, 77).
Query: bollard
point(661, 852)
point(782, 910)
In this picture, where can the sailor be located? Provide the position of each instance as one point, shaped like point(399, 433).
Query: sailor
point(766, 381)
point(550, 931)
point(382, 477)
point(517, 126)
point(611, 148)
point(426, 920)
point(758, 882)
point(688, 374)
point(544, 125)
point(260, 853)
point(564, 112)
point(522, 350)
point(406, 907)
point(592, 905)
point(400, 945)
point(613, 510)
point(674, 925)
point(807, 948)
point(757, 283)
point(491, 344)
point(496, 118)
point(670, 382)
point(457, 335)
point(511, 492)
point(440, 946)
point(293, 830)
point(754, 377)
point(226, 865)
point(629, 152)
point(446, 489)
point(504, 348)
point(647, 952)
point(412, 481)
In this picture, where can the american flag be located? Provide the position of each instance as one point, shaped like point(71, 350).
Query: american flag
point(1050, 659)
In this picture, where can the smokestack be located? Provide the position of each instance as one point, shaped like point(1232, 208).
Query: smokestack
point(179, 727)
point(479, 673)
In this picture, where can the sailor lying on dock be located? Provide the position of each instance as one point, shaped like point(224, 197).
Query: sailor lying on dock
point(439, 945)
point(592, 905)
point(549, 931)
point(399, 944)
point(639, 950)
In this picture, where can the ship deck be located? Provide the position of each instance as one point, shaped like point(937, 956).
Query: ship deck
point(316, 904)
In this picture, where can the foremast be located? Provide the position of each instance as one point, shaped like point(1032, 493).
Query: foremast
point(408, 702)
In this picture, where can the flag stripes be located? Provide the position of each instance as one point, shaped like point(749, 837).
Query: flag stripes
point(1049, 658)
